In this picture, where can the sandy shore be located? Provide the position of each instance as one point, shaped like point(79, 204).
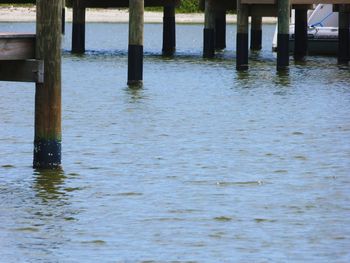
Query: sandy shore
point(25, 14)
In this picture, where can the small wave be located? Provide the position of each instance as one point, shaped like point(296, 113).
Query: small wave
point(223, 218)
point(8, 166)
point(280, 171)
point(247, 183)
point(26, 229)
point(263, 220)
point(130, 194)
point(300, 157)
point(297, 133)
point(94, 242)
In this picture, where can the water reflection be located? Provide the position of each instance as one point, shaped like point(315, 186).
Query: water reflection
point(135, 93)
point(243, 78)
point(255, 55)
point(243, 75)
point(344, 67)
point(48, 213)
point(301, 63)
point(48, 184)
point(282, 78)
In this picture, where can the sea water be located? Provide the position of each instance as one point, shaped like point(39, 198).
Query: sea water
point(203, 164)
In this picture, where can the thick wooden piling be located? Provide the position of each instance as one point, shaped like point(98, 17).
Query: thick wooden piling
point(343, 37)
point(209, 30)
point(242, 36)
point(47, 138)
point(256, 33)
point(63, 17)
point(169, 30)
point(78, 31)
point(300, 34)
point(220, 28)
point(283, 7)
point(135, 53)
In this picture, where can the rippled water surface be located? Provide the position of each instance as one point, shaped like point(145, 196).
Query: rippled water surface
point(203, 164)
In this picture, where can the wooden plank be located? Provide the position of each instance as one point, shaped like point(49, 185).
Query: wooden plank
point(16, 35)
point(17, 1)
point(296, 2)
point(17, 46)
point(263, 10)
point(125, 3)
point(100, 3)
point(306, 2)
point(263, 2)
point(22, 70)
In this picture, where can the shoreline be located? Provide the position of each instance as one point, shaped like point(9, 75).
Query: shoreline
point(27, 14)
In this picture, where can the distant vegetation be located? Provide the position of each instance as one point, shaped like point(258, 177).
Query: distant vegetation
point(187, 6)
point(22, 2)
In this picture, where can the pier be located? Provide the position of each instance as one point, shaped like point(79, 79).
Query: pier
point(282, 10)
point(36, 57)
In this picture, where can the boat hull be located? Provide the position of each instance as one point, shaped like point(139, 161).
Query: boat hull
point(322, 32)
point(321, 41)
point(319, 46)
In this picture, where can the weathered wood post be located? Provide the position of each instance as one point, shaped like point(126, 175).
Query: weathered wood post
point(283, 7)
point(47, 138)
point(135, 53)
point(169, 30)
point(209, 30)
point(343, 37)
point(220, 28)
point(78, 31)
point(242, 36)
point(63, 17)
point(300, 34)
point(256, 33)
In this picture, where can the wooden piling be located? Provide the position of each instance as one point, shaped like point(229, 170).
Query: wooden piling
point(209, 30)
point(343, 37)
point(47, 138)
point(256, 33)
point(242, 36)
point(135, 53)
point(78, 31)
point(220, 29)
point(283, 7)
point(63, 17)
point(300, 34)
point(169, 30)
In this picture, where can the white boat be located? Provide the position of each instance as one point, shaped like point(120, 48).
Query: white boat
point(322, 31)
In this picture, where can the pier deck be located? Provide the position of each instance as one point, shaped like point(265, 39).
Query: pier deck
point(296, 2)
point(121, 3)
point(17, 46)
point(17, 58)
